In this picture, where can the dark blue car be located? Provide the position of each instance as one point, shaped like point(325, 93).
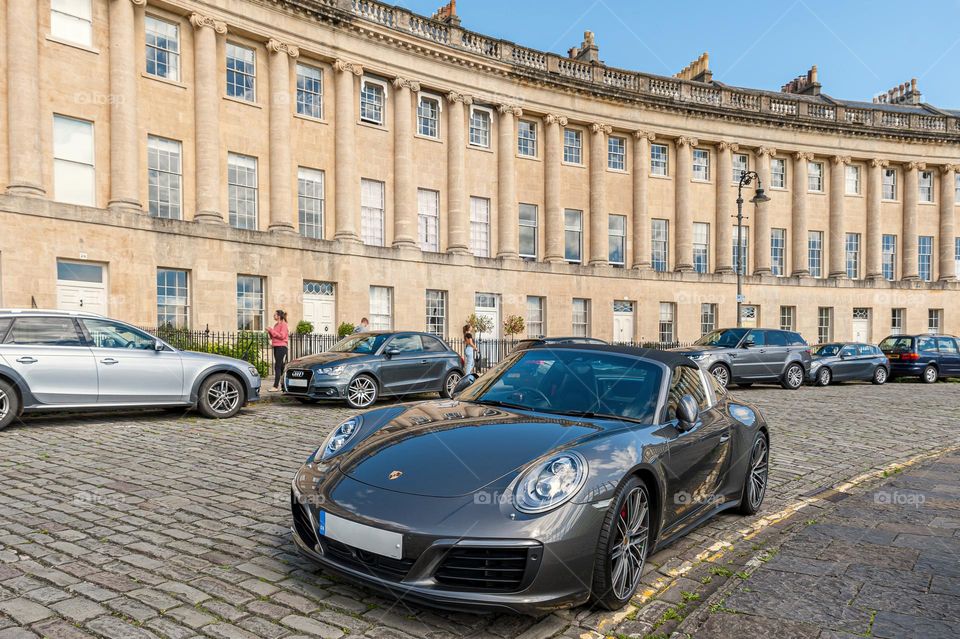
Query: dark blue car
point(928, 357)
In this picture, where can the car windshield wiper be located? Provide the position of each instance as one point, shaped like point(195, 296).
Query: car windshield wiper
point(589, 414)
point(497, 402)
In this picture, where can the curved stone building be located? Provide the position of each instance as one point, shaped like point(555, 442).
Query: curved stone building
point(202, 163)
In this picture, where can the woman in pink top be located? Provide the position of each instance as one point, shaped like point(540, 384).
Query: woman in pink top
point(279, 338)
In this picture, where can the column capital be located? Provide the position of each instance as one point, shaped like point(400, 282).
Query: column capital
point(877, 163)
point(915, 166)
point(348, 67)
point(638, 134)
point(553, 118)
point(764, 151)
point(840, 159)
point(275, 46)
point(723, 145)
point(949, 168)
point(404, 83)
point(200, 21)
point(509, 108)
point(803, 155)
point(139, 3)
point(684, 141)
point(598, 128)
point(453, 96)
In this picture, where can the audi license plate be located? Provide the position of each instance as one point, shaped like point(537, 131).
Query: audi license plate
point(299, 383)
point(381, 542)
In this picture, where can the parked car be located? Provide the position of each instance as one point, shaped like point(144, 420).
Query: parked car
point(928, 357)
point(530, 342)
point(58, 360)
point(365, 366)
point(531, 492)
point(747, 355)
point(848, 361)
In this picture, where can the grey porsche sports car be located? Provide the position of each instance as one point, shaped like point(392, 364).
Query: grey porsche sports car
point(544, 484)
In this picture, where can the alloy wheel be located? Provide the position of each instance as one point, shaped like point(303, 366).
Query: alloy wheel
point(794, 376)
point(629, 550)
point(452, 380)
point(824, 377)
point(362, 391)
point(4, 405)
point(223, 396)
point(880, 375)
point(757, 487)
point(930, 374)
point(721, 374)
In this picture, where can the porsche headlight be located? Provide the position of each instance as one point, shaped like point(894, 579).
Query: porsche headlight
point(332, 371)
point(339, 438)
point(550, 483)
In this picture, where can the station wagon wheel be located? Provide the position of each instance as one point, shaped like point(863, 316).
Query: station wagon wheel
point(450, 384)
point(361, 391)
point(930, 375)
point(624, 541)
point(8, 404)
point(221, 396)
point(755, 484)
point(880, 375)
point(722, 374)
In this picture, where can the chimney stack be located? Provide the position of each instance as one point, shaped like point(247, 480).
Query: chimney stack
point(588, 51)
point(698, 70)
point(448, 14)
point(906, 93)
point(803, 84)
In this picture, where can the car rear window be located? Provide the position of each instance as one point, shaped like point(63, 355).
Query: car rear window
point(44, 331)
point(896, 344)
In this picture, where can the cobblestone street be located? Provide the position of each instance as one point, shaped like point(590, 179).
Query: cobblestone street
point(165, 525)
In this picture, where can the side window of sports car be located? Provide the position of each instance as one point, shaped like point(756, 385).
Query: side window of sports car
point(433, 345)
point(406, 343)
point(686, 381)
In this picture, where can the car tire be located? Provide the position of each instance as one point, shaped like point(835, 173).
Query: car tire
point(362, 391)
point(9, 404)
point(824, 377)
point(449, 383)
point(880, 375)
point(930, 374)
point(221, 396)
point(792, 377)
point(721, 373)
point(608, 591)
point(755, 483)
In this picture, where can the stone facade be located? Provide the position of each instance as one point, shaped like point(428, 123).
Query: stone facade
point(106, 82)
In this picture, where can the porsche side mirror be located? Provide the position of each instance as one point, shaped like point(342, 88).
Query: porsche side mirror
point(688, 411)
point(464, 383)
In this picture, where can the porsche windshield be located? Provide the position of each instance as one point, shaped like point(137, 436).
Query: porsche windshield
point(728, 338)
point(573, 382)
point(363, 343)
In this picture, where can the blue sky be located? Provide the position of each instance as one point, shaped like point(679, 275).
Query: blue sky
point(860, 48)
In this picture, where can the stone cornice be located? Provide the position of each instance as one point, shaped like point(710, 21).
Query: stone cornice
point(280, 47)
point(348, 67)
point(199, 21)
point(403, 83)
point(553, 118)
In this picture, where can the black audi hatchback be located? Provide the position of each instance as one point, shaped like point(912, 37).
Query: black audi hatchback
point(363, 367)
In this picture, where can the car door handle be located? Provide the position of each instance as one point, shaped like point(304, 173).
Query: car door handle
point(423, 361)
point(724, 438)
point(109, 360)
point(27, 360)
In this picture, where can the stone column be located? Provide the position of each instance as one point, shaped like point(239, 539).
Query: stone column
point(551, 187)
point(683, 215)
point(124, 138)
point(838, 239)
point(800, 255)
point(282, 216)
point(761, 253)
point(599, 217)
point(911, 193)
point(206, 100)
point(874, 224)
point(458, 211)
point(948, 268)
point(23, 99)
point(346, 211)
point(723, 226)
point(641, 213)
point(508, 216)
point(404, 187)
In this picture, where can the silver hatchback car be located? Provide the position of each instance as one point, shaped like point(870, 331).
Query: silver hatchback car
point(60, 360)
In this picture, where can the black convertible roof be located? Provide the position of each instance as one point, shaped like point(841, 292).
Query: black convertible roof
point(666, 357)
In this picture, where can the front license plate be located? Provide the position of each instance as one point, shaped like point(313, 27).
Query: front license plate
point(381, 542)
point(301, 383)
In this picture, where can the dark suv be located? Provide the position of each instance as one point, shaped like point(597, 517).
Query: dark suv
point(928, 357)
point(747, 355)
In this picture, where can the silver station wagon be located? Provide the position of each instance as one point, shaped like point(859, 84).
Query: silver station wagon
point(59, 360)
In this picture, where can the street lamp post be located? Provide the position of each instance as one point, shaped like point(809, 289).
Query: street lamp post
point(746, 178)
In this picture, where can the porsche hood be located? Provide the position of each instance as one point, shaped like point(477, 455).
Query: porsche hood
point(449, 449)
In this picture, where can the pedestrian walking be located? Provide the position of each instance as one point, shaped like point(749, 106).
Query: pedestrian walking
point(469, 352)
point(363, 326)
point(279, 339)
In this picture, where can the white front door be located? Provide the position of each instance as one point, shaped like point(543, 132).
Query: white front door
point(488, 306)
point(320, 306)
point(623, 321)
point(81, 286)
point(861, 325)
